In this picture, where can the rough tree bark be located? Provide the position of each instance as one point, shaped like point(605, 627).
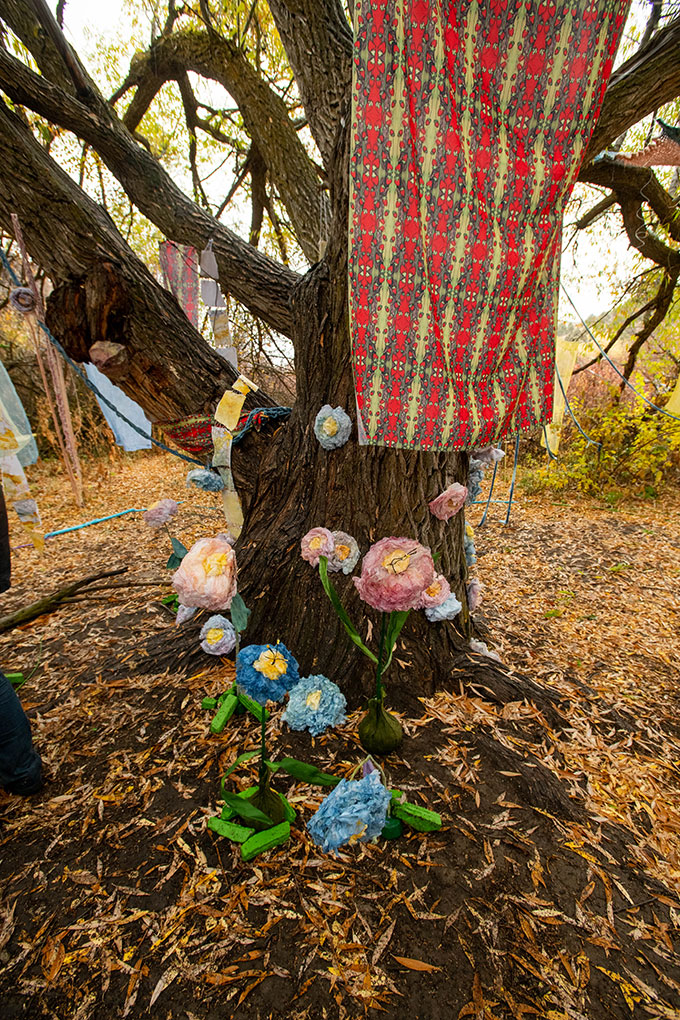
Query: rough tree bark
point(369, 492)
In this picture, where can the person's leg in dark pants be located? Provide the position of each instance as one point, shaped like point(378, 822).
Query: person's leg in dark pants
point(20, 765)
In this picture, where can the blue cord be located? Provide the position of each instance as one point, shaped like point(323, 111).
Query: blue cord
point(512, 484)
point(486, 508)
point(593, 442)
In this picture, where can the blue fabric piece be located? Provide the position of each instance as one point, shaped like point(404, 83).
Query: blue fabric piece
point(304, 713)
point(124, 435)
point(474, 482)
point(354, 810)
point(20, 765)
point(15, 409)
point(470, 551)
point(258, 686)
point(446, 611)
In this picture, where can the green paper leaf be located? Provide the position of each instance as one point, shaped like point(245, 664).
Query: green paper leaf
point(239, 613)
point(178, 549)
point(394, 627)
point(241, 758)
point(304, 772)
point(245, 810)
point(173, 562)
point(341, 611)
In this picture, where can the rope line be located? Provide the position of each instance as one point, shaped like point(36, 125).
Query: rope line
point(610, 362)
point(512, 484)
point(271, 412)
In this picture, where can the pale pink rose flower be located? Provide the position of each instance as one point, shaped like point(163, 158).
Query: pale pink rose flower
point(160, 512)
point(435, 593)
point(206, 576)
point(449, 502)
point(316, 543)
point(394, 574)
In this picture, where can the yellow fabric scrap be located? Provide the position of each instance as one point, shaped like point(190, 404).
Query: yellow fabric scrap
point(229, 408)
point(566, 353)
point(673, 405)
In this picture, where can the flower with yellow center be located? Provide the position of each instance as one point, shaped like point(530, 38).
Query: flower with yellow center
point(271, 664)
point(342, 552)
point(434, 589)
point(316, 543)
point(214, 635)
point(330, 427)
point(313, 700)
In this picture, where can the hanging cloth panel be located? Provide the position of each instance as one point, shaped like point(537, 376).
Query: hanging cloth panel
point(566, 353)
point(123, 434)
point(12, 410)
point(469, 124)
point(179, 263)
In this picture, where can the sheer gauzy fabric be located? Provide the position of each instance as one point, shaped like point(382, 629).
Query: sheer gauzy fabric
point(469, 124)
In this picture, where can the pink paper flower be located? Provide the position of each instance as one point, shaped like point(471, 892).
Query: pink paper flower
point(394, 574)
point(206, 576)
point(316, 543)
point(160, 512)
point(435, 593)
point(449, 502)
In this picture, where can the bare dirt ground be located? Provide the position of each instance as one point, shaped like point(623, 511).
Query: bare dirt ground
point(116, 901)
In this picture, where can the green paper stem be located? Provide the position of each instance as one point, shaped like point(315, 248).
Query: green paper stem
point(341, 611)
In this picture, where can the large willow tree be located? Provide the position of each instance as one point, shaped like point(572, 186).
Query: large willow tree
point(103, 292)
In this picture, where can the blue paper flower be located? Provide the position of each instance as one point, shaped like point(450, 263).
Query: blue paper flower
point(474, 482)
point(469, 546)
point(354, 810)
point(202, 478)
point(446, 611)
point(315, 704)
point(218, 636)
point(332, 427)
point(266, 672)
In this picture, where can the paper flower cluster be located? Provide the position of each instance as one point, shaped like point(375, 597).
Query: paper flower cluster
point(332, 427)
point(474, 484)
point(446, 611)
point(394, 574)
point(474, 593)
point(315, 704)
point(354, 810)
point(203, 478)
point(339, 548)
point(481, 649)
point(449, 502)
point(266, 672)
point(160, 512)
point(218, 636)
point(206, 576)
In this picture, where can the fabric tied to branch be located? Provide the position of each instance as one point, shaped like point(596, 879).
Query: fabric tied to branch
point(12, 410)
point(14, 483)
point(123, 433)
point(469, 124)
point(179, 263)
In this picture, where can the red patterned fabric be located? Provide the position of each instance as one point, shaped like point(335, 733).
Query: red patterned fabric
point(469, 124)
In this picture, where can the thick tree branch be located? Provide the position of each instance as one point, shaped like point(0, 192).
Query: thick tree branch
point(648, 80)
point(318, 43)
point(639, 182)
point(662, 303)
point(264, 113)
point(103, 293)
point(258, 282)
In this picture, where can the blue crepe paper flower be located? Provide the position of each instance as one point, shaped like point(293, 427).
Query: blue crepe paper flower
point(446, 611)
point(332, 427)
point(218, 636)
point(354, 810)
point(266, 672)
point(474, 482)
point(315, 704)
point(470, 551)
point(202, 478)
